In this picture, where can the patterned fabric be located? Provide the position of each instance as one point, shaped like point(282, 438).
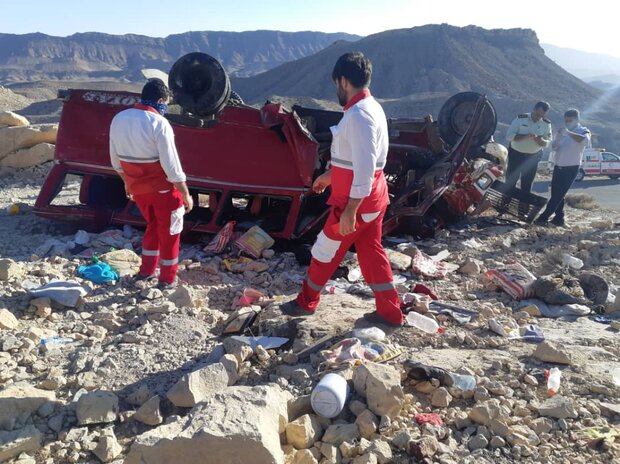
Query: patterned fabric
point(161, 108)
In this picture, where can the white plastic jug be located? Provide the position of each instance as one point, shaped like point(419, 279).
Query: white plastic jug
point(329, 396)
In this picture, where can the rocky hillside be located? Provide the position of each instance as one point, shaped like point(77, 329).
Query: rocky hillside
point(432, 62)
point(417, 69)
point(100, 56)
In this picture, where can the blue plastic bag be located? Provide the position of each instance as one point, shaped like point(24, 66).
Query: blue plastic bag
point(98, 272)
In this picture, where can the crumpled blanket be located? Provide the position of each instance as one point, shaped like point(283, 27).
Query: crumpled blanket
point(62, 292)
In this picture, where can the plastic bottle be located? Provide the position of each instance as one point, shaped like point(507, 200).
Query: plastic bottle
point(615, 376)
point(55, 341)
point(553, 380)
point(425, 324)
point(329, 396)
point(571, 261)
point(463, 382)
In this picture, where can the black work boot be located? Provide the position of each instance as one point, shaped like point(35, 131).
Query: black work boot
point(558, 222)
point(292, 309)
point(541, 221)
point(374, 318)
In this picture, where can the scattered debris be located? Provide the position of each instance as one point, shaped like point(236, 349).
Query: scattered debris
point(131, 373)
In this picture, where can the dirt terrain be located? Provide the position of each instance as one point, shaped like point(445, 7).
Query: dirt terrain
point(101, 396)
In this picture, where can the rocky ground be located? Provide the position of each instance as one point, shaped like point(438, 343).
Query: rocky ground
point(146, 376)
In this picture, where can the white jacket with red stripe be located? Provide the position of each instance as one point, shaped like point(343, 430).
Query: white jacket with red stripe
point(142, 148)
point(358, 155)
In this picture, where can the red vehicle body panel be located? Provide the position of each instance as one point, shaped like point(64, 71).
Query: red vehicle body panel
point(266, 156)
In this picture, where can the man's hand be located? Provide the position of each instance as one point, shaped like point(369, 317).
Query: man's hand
point(347, 222)
point(347, 218)
point(129, 195)
point(322, 182)
point(540, 141)
point(188, 202)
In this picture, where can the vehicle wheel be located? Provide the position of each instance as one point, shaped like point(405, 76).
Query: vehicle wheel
point(455, 116)
point(199, 84)
point(580, 175)
point(614, 176)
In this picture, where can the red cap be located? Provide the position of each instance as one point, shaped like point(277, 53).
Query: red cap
point(440, 330)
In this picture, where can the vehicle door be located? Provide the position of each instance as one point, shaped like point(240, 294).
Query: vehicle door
point(592, 162)
point(610, 163)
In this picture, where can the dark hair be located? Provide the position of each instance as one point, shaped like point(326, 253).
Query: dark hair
point(355, 67)
point(572, 113)
point(155, 89)
point(542, 105)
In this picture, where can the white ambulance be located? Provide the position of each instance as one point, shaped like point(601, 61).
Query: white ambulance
point(598, 162)
point(595, 162)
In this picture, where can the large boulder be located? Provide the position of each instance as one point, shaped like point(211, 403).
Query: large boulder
point(485, 413)
point(97, 407)
point(8, 320)
point(16, 138)
point(9, 269)
point(19, 401)
point(149, 413)
point(239, 424)
point(304, 431)
point(380, 385)
point(551, 353)
point(26, 440)
point(108, 447)
point(558, 407)
point(399, 261)
point(29, 157)
point(199, 385)
point(8, 118)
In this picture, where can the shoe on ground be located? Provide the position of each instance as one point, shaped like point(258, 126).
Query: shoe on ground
point(541, 222)
point(292, 309)
point(143, 277)
point(168, 285)
point(561, 223)
point(374, 318)
point(419, 371)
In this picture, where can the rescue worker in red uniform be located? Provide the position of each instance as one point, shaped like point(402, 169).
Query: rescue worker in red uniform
point(359, 197)
point(143, 152)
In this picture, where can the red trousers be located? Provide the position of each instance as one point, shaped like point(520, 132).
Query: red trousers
point(329, 251)
point(163, 213)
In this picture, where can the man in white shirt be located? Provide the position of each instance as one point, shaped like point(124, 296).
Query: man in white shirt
point(359, 197)
point(569, 146)
point(528, 134)
point(143, 153)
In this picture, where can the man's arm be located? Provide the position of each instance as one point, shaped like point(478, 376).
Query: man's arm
point(578, 137)
point(170, 163)
point(511, 134)
point(544, 140)
point(361, 137)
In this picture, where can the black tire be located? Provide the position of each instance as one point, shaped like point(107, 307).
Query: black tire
point(455, 116)
point(580, 175)
point(199, 84)
point(614, 176)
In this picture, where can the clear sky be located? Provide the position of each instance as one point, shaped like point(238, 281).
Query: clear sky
point(586, 25)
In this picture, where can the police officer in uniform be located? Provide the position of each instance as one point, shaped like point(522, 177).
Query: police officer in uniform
point(528, 135)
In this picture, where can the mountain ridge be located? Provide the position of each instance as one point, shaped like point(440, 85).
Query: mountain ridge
point(432, 58)
point(101, 56)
